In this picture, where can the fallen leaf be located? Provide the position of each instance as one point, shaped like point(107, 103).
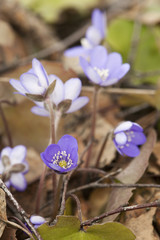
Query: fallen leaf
point(2, 211)
point(9, 234)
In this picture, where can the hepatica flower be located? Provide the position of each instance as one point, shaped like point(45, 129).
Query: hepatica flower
point(13, 166)
point(35, 81)
point(104, 69)
point(37, 220)
point(63, 156)
point(65, 97)
point(93, 37)
point(127, 136)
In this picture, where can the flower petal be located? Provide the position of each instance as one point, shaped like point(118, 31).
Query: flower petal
point(67, 143)
point(89, 72)
point(76, 52)
point(99, 21)
point(58, 94)
point(6, 152)
point(93, 35)
point(35, 219)
point(30, 83)
point(116, 145)
point(72, 88)
point(109, 82)
point(136, 127)
point(138, 138)
point(119, 73)
point(114, 61)
point(50, 151)
point(18, 154)
point(18, 181)
point(1, 167)
point(98, 57)
point(121, 138)
point(130, 150)
point(124, 126)
point(18, 86)
point(40, 111)
point(77, 104)
point(40, 72)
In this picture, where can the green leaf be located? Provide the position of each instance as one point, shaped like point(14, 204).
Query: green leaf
point(119, 36)
point(68, 228)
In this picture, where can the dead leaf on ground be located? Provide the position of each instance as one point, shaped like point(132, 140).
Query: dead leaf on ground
point(3, 214)
point(9, 234)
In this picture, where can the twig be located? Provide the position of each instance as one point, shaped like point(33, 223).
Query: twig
point(19, 209)
point(94, 170)
point(84, 151)
point(78, 206)
point(113, 185)
point(120, 210)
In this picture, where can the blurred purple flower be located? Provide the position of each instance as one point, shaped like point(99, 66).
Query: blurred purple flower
point(13, 166)
point(126, 138)
point(69, 90)
point(37, 220)
point(63, 156)
point(35, 81)
point(104, 69)
point(93, 37)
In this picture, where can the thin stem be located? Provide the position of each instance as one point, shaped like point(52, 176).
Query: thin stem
point(52, 122)
point(19, 209)
point(40, 188)
point(120, 210)
point(5, 123)
point(57, 197)
point(102, 149)
point(93, 125)
point(78, 206)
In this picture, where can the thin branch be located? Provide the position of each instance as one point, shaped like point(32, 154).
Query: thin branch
point(120, 210)
point(94, 170)
point(19, 209)
point(78, 206)
point(84, 151)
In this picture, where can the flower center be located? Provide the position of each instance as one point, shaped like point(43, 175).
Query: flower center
point(103, 73)
point(62, 159)
point(85, 43)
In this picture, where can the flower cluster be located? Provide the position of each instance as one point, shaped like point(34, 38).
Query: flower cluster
point(93, 37)
point(13, 166)
point(63, 156)
point(126, 138)
point(104, 69)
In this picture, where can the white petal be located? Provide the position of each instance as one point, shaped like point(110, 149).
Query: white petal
point(121, 138)
point(35, 219)
point(18, 181)
point(40, 72)
point(72, 88)
point(30, 83)
point(123, 127)
point(77, 104)
point(18, 154)
point(93, 35)
point(18, 86)
point(58, 94)
point(40, 111)
point(6, 152)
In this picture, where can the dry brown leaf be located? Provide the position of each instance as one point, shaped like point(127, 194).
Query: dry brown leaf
point(9, 234)
point(2, 211)
point(131, 174)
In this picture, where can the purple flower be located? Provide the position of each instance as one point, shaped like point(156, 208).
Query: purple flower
point(13, 166)
point(104, 69)
point(69, 90)
point(37, 220)
point(63, 156)
point(93, 37)
point(126, 138)
point(35, 81)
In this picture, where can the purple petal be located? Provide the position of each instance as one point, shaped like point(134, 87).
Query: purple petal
point(93, 35)
point(119, 73)
point(6, 152)
point(35, 219)
point(18, 181)
point(76, 52)
point(18, 154)
point(131, 150)
point(77, 104)
point(138, 138)
point(98, 57)
point(72, 88)
point(58, 94)
point(30, 83)
point(74, 157)
point(114, 61)
point(40, 72)
point(89, 72)
point(121, 138)
point(8, 184)
point(99, 21)
point(50, 151)
point(136, 127)
point(109, 82)
point(123, 127)
point(67, 143)
point(118, 149)
point(17, 85)
point(40, 111)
